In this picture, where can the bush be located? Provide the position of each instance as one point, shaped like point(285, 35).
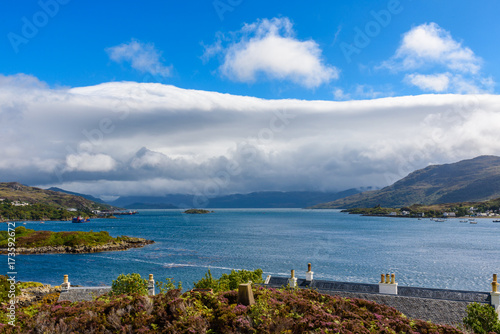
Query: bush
point(207, 282)
point(129, 284)
point(230, 281)
point(482, 318)
point(168, 285)
point(5, 289)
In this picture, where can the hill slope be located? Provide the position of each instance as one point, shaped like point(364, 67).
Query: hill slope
point(89, 197)
point(473, 180)
point(17, 192)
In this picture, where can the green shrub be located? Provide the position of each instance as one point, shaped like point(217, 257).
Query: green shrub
point(230, 281)
point(5, 289)
point(129, 284)
point(31, 238)
point(482, 318)
point(24, 285)
point(168, 285)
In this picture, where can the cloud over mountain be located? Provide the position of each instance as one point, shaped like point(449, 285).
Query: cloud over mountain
point(139, 138)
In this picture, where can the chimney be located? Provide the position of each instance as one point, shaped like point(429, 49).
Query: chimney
point(309, 273)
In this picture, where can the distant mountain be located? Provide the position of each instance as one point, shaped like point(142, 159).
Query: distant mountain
point(176, 200)
point(150, 206)
point(277, 199)
point(17, 192)
point(473, 180)
point(265, 199)
point(89, 197)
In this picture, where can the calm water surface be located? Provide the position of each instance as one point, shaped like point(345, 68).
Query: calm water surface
point(340, 247)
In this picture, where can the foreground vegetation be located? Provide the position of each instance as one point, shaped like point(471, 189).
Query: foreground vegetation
point(28, 238)
point(275, 311)
point(171, 311)
point(482, 319)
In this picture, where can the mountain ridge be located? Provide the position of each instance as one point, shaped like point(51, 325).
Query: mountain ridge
point(471, 180)
point(89, 197)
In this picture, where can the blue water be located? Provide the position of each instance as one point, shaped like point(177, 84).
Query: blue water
point(341, 247)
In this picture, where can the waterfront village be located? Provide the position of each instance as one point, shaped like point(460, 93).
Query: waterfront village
point(481, 210)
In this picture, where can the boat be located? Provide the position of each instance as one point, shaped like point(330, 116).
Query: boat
point(472, 222)
point(130, 212)
point(439, 220)
point(464, 221)
point(80, 219)
point(496, 221)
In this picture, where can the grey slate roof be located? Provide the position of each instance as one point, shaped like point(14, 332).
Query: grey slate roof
point(437, 305)
point(457, 295)
point(439, 311)
point(83, 293)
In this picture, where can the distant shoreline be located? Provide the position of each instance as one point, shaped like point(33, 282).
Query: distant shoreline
point(389, 216)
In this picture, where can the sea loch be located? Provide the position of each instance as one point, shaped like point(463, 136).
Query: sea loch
point(341, 247)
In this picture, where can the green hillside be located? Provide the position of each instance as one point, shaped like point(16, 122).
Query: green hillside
point(14, 191)
point(20, 202)
point(473, 180)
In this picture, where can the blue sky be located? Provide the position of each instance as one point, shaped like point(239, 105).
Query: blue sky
point(69, 48)
point(232, 96)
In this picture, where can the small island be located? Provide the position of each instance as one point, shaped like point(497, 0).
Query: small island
point(197, 211)
point(28, 241)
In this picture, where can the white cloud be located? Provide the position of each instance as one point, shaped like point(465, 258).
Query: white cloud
point(340, 94)
point(429, 44)
point(449, 66)
point(443, 82)
point(90, 163)
point(367, 91)
point(268, 47)
point(432, 82)
point(360, 92)
point(163, 139)
point(143, 57)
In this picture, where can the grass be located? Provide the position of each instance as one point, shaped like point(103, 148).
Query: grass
point(25, 285)
point(28, 238)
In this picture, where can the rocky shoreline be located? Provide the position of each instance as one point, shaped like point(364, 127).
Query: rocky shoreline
point(110, 247)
